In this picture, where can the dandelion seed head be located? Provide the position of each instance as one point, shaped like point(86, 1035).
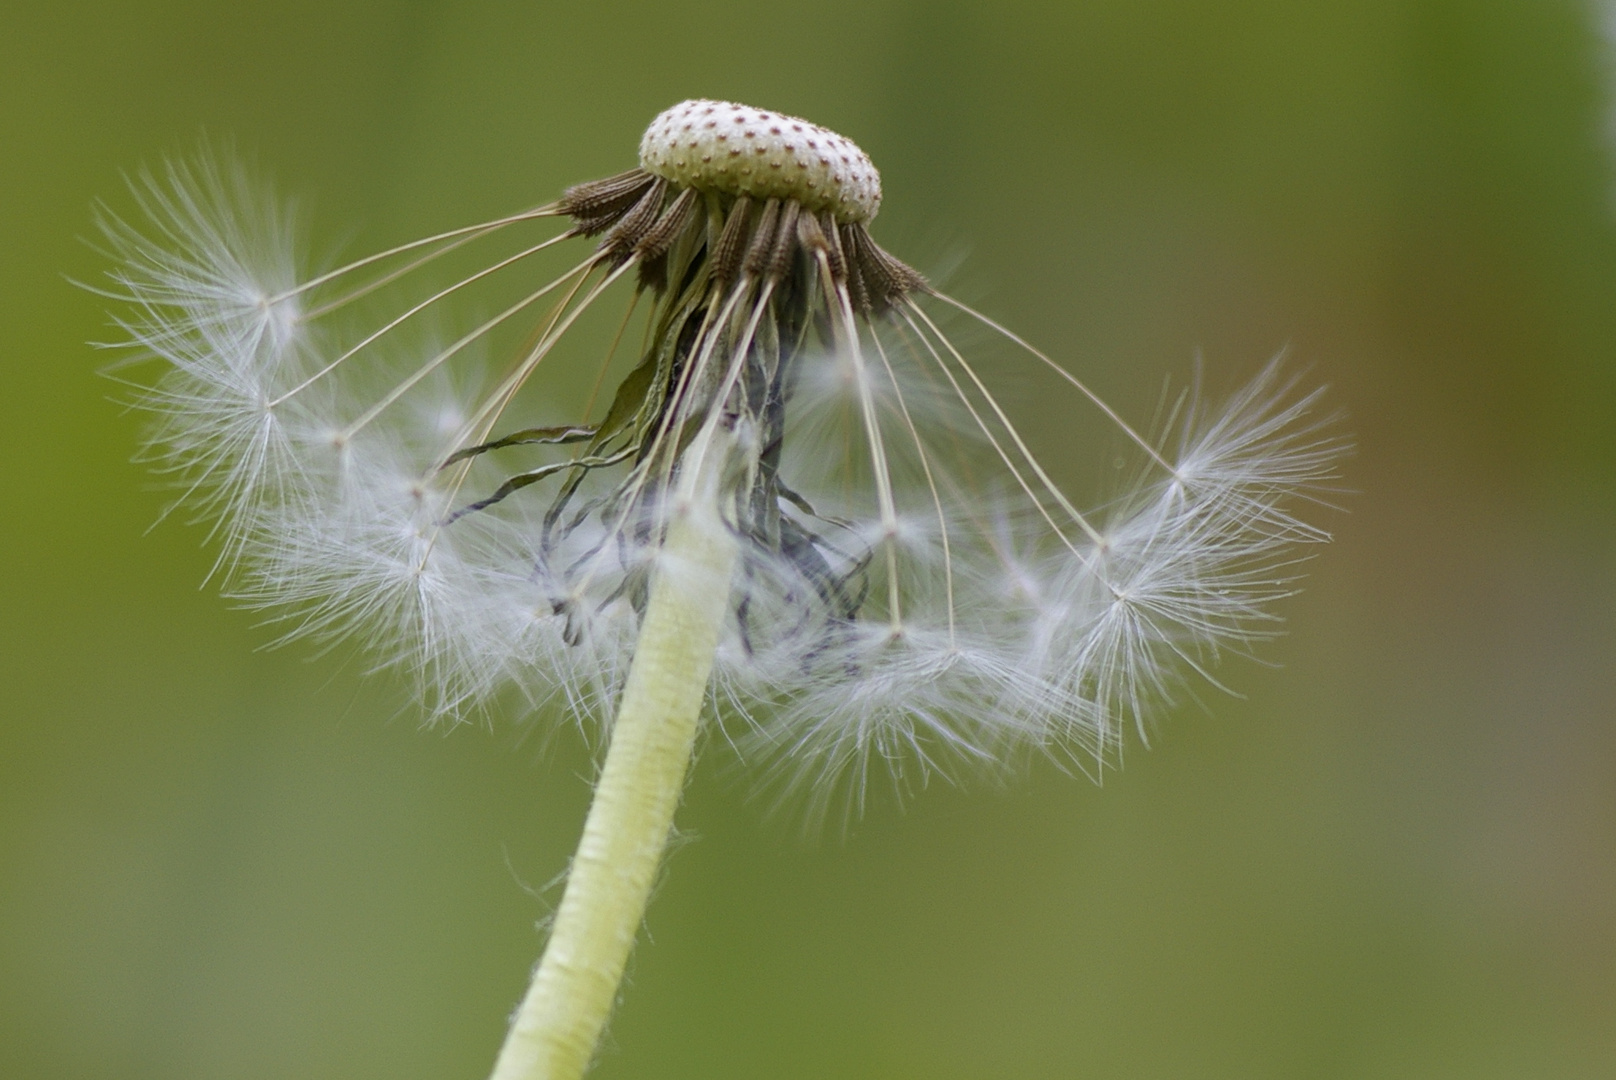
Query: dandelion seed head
point(914, 596)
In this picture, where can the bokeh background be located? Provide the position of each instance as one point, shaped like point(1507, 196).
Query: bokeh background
point(1394, 857)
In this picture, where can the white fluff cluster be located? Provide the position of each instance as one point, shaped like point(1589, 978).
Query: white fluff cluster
point(932, 602)
point(1034, 642)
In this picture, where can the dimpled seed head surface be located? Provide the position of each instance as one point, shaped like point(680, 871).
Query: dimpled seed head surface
point(722, 146)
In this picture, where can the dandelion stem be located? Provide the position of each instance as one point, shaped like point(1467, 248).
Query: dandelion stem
point(555, 1030)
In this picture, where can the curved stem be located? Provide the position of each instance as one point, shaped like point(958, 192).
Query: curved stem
point(554, 1032)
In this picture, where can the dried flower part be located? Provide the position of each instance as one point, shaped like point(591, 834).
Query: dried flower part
point(738, 150)
point(639, 217)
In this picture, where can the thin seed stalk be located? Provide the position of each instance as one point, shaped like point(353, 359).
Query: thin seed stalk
point(554, 1032)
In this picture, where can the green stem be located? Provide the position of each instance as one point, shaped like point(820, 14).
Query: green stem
point(555, 1030)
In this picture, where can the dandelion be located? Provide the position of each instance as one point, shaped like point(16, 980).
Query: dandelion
point(805, 514)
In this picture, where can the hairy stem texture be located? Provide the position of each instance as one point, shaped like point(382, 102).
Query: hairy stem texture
point(554, 1032)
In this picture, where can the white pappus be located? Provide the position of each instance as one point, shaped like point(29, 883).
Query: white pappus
point(913, 591)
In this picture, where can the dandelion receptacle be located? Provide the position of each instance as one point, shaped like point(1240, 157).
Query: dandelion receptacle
point(805, 516)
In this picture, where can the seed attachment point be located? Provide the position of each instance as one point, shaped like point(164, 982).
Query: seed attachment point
point(694, 143)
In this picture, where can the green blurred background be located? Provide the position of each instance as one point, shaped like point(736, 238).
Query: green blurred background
point(1396, 857)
